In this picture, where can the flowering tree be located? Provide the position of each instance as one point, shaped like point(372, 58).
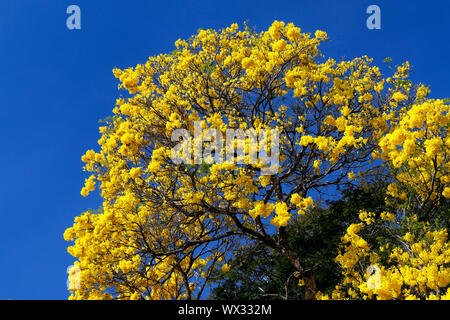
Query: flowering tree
point(171, 215)
point(411, 261)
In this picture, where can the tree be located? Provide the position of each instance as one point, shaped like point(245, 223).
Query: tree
point(256, 273)
point(259, 273)
point(412, 260)
point(168, 220)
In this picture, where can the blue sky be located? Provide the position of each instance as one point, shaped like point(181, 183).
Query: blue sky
point(56, 84)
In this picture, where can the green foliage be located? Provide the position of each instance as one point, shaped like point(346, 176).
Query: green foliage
point(401, 83)
point(208, 67)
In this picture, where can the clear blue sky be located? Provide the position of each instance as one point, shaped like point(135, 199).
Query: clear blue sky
point(55, 84)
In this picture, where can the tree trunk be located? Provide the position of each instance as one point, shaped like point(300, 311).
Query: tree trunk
point(308, 277)
point(310, 286)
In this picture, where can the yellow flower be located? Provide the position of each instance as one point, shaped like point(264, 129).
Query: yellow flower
point(398, 96)
point(226, 267)
point(279, 45)
point(446, 192)
point(282, 215)
point(321, 35)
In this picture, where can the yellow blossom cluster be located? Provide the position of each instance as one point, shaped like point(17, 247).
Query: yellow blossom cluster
point(412, 268)
point(418, 146)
